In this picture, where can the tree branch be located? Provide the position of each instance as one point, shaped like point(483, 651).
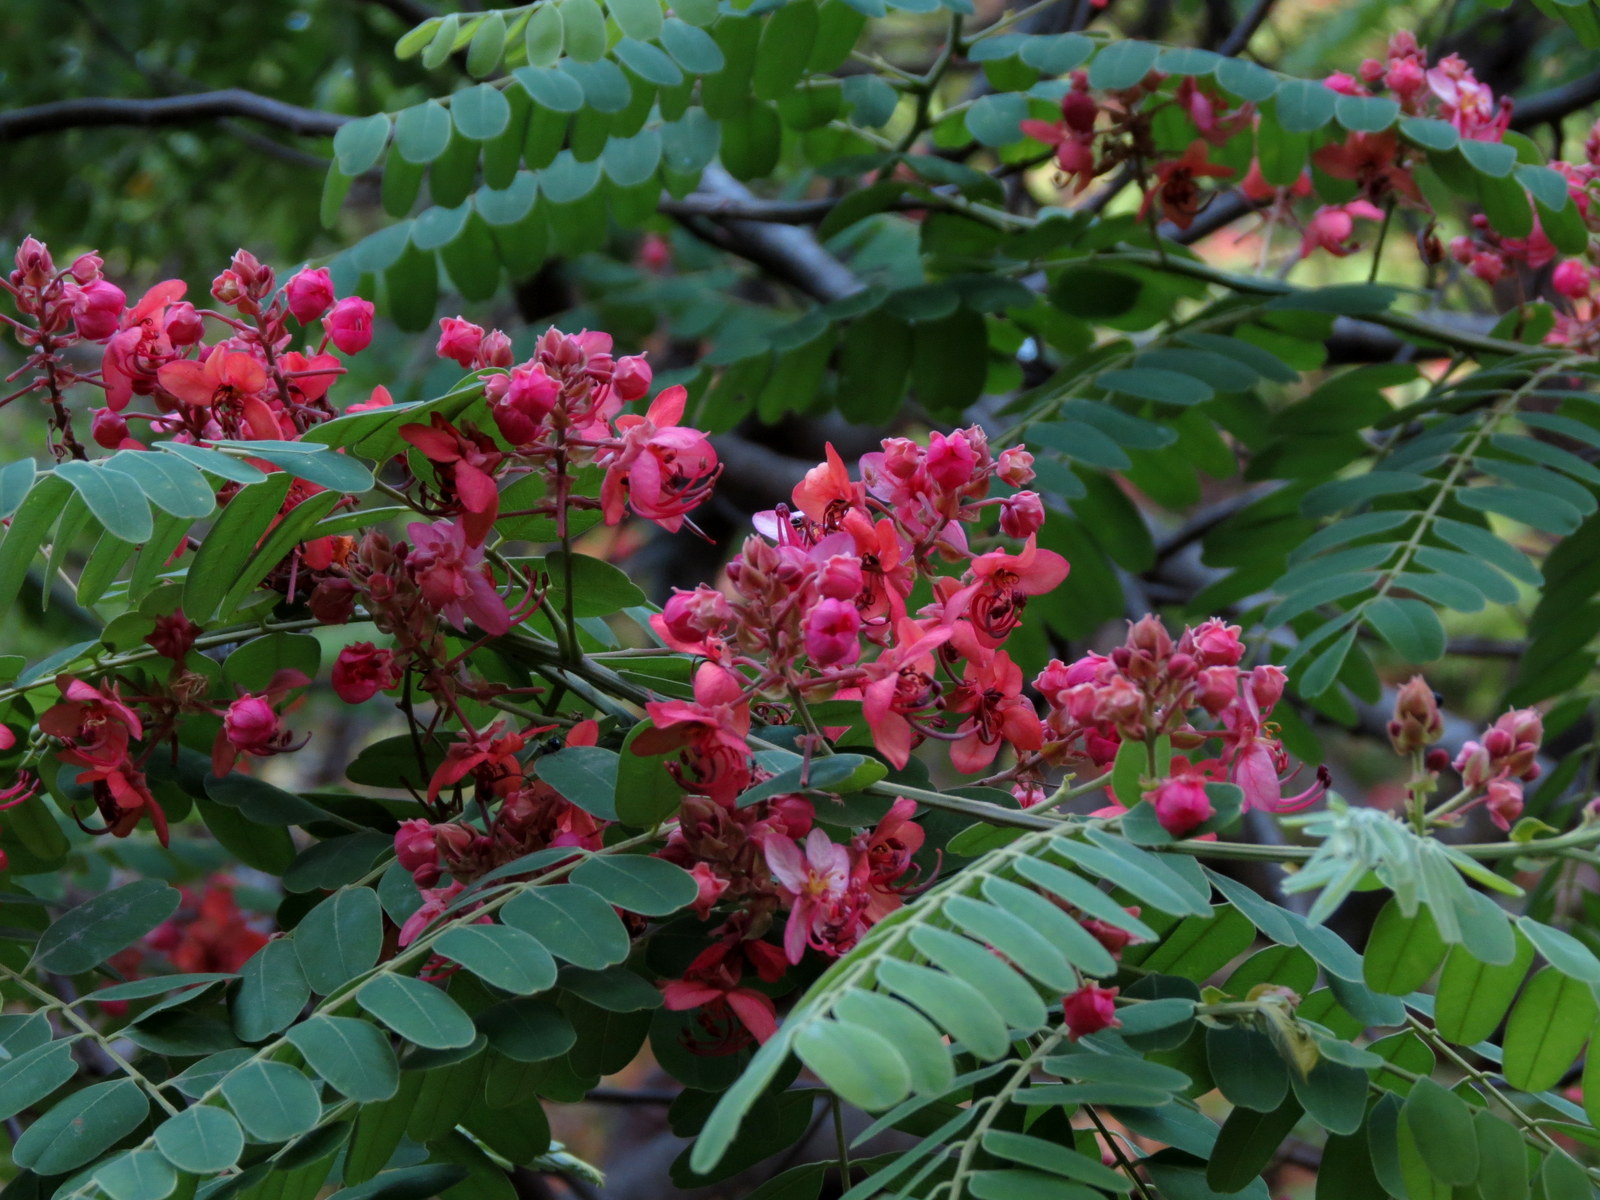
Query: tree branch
point(1545, 107)
point(1239, 36)
point(102, 111)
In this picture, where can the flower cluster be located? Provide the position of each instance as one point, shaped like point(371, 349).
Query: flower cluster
point(1492, 768)
point(1359, 177)
point(1153, 687)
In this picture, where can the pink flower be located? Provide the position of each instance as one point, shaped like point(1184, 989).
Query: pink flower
point(252, 726)
point(832, 633)
point(459, 340)
point(1504, 802)
point(1332, 226)
point(362, 671)
point(1181, 803)
point(1021, 515)
point(1089, 1010)
point(434, 902)
point(663, 469)
point(951, 460)
point(1015, 467)
point(453, 578)
point(1572, 278)
point(711, 886)
point(630, 379)
point(1113, 937)
point(817, 885)
point(97, 309)
point(884, 858)
point(991, 692)
point(310, 294)
point(690, 621)
point(380, 398)
point(417, 851)
point(349, 325)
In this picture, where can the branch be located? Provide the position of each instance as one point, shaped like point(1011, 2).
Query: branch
point(787, 252)
point(101, 111)
point(1239, 37)
point(1545, 107)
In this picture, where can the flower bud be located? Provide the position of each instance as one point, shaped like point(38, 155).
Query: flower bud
point(1181, 803)
point(97, 309)
point(631, 377)
point(1505, 802)
point(459, 340)
point(1016, 467)
point(1021, 515)
point(108, 428)
point(349, 325)
point(496, 349)
point(1416, 723)
point(1089, 1010)
point(310, 294)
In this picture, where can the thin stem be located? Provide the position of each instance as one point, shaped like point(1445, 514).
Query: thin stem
point(51, 1003)
point(842, 1142)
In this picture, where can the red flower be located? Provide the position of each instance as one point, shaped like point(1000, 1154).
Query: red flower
point(362, 671)
point(1089, 1010)
point(991, 691)
point(309, 293)
point(1176, 190)
point(473, 459)
point(349, 325)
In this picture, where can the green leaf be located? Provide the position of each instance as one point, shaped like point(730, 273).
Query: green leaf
point(527, 1030)
point(956, 1005)
point(1473, 997)
point(994, 119)
point(640, 19)
point(1402, 952)
point(481, 112)
point(571, 922)
point(837, 773)
point(1547, 1030)
point(1564, 952)
point(136, 1175)
point(694, 49)
point(784, 49)
point(1441, 1126)
point(1430, 133)
point(1247, 1067)
point(1564, 1179)
point(646, 793)
point(406, 1183)
point(1502, 1157)
point(95, 930)
point(1010, 995)
point(168, 482)
point(34, 1074)
point(1016, 939)
point(358, 145)
point(1492, 158)
point(1247, 1143)
point(1121, 64)
point(651, 887)
point(1058, 1160)
point(487, 45)
point(585, 775)
point(81, 1127)
point(354, 1056)
point(585, 29)
point(328, 468)
point(598, 588)
point(1304, 105)
point(272, 991)
point(1366, 114)
point(417, 1011)
point(422, 132)
point(542, 35)
point(340, 938)
point(114, 499)
point(863, 1067)
point(1160, 386)
point(201, 1140)
point(500, 955)
point(273, 1101)
point(1410, 626)
point(1024, 1185)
